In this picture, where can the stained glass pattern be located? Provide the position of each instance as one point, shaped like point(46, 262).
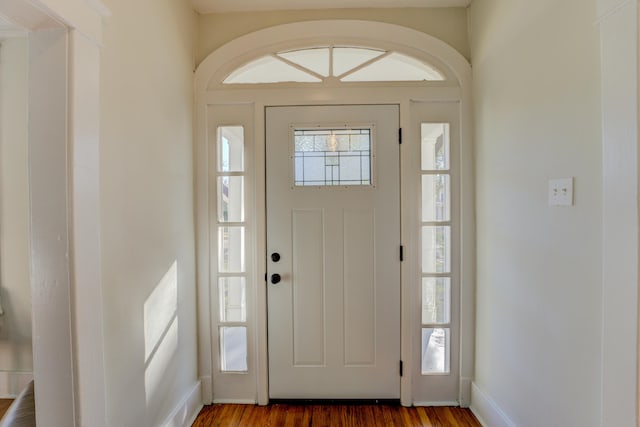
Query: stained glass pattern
point(326, 157)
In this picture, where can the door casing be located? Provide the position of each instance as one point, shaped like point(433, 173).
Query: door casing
point(209, 93)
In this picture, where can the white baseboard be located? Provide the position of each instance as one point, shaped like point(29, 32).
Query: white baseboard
point(236, 401)
point(12, 383)
point(452, 403)
point(487, 410)
point(187, 410)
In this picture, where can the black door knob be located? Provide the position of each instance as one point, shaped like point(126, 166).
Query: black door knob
point(275, 257)
point(275, 278)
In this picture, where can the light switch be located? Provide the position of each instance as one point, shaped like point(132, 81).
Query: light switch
point(561, 192)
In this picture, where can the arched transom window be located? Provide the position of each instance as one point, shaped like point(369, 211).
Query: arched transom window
point(334, 63)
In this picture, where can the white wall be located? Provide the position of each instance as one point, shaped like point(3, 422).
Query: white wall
point(539, 291)
point(15, 286)
point(147, 209)
point(446, 24)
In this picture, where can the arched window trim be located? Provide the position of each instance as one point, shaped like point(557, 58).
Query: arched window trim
point(218, 65)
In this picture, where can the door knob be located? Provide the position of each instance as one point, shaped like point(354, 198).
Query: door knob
point(275, 257)
point(275, 278)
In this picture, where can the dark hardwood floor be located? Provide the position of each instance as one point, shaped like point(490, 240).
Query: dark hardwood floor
point(333, 415)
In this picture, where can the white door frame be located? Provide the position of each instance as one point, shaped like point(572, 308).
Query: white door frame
point(210, 92)
point(64, 132)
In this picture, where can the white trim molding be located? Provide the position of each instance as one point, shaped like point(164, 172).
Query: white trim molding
point(618, 25)
point(304, 34)
point(187, 410)
point(64, 134)
point(85, 16)
point(487, 411)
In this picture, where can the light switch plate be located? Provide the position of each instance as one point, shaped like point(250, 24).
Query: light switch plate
point(561, 192)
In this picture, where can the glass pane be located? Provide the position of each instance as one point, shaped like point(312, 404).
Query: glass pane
point(269, 70)
point(436, 198)
point(436, 249)
point(435, 146)
point(435, 351)
point(231, 249)
point(230, 149)
point(233, 349)
point(233, 299)
point(348, 58)
point(332, 157)
point(395, 67)
point(315, 59)
point(230, 198)
point(436, 300)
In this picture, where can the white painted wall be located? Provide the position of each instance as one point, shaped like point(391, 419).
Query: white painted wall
point(536, 76)
point(147, 210)
point(15, 285)
point(446, 24)
point(88, 327)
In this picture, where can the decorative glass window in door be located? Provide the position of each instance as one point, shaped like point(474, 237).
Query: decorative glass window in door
point(329, 157)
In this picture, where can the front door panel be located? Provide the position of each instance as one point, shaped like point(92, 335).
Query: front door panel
point(333, 219)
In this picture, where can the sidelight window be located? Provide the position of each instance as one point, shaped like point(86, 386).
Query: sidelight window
point(436, 248)
point(231, 227)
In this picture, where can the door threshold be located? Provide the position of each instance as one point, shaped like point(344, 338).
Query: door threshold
point(386, 402)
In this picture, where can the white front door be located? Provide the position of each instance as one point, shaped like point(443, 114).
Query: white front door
point(333, 242)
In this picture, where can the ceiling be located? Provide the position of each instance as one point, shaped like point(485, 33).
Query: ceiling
point(220, 6)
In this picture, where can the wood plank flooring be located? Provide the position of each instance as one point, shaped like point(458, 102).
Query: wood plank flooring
point(4, 405)
point(281, 415)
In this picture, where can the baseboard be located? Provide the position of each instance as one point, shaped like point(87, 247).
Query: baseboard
point(235, 401)
point(329, 402)
point(12, 383)
point(427, 404)
point(187, 410)
point(487, 410)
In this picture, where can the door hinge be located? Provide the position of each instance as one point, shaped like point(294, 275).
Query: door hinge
point(401, 253)
point(265, 277)
point(401, 368)
point(400, 135)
